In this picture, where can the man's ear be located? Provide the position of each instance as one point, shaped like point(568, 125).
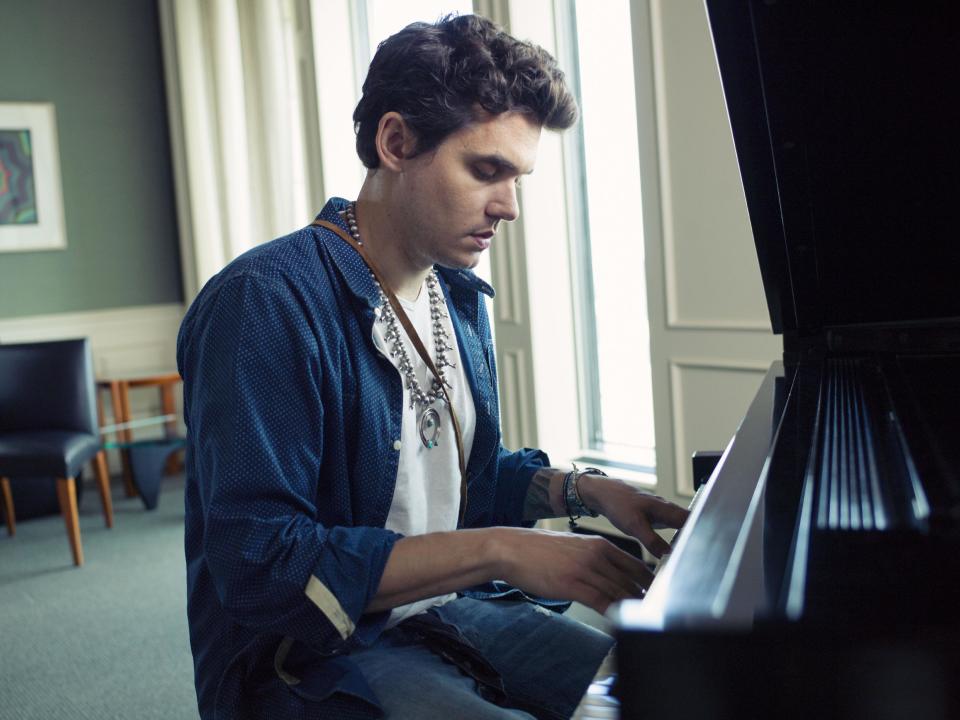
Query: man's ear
point(395, 141)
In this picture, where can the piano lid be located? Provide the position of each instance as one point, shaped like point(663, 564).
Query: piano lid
point(846, 121)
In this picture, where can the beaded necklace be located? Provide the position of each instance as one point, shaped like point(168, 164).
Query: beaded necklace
point(428, 422)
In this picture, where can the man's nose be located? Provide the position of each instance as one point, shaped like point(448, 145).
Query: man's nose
point(504, 205)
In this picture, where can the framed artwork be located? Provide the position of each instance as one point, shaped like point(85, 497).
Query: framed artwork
point(31, 199)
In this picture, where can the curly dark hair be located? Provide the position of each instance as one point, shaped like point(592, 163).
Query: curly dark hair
point(437, 76)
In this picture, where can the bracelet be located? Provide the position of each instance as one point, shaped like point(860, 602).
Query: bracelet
point(570, 497)
point(576, 508)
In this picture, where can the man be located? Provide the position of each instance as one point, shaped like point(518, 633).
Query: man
point(339, 563)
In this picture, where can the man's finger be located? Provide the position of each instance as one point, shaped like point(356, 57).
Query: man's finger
point(631, 566)
point(651, 541)
point(598, 593)
point(663, 514)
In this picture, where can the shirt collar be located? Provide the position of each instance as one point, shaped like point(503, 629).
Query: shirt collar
point(466, 279)
point(351, 266)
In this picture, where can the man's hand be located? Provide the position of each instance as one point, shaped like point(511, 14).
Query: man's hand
point(588, 569)
point(556, 565)
point(633, 511)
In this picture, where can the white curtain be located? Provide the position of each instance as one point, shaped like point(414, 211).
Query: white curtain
point(244, 127)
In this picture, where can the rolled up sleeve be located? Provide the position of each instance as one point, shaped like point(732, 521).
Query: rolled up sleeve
point(514, 472)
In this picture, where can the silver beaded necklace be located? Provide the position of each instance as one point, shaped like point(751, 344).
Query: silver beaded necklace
point(428, 422)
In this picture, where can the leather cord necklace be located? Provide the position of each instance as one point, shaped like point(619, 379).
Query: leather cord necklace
point(417, 343)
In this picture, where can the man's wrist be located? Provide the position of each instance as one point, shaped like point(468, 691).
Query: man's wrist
point(590, 487)
point(493, 552)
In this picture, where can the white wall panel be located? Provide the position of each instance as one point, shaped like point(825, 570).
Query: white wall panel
point(706, 232)
point(516, 415)
point(708, 401)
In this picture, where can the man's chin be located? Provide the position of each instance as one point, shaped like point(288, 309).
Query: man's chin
point(460, 263)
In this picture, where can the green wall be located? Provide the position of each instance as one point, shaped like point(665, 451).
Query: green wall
point(99, 62)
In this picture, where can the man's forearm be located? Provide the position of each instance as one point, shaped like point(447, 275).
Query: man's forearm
point(425, 566)
point(551, 564)
point(545, 495)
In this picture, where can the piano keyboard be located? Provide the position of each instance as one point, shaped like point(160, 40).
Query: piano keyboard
point(673, 541)
point(598, 703)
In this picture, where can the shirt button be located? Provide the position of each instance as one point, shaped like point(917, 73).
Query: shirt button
point(397, 444)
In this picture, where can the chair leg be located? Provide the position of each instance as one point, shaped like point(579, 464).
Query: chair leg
point(103, 482)
point(8, 506)
point(67, 495)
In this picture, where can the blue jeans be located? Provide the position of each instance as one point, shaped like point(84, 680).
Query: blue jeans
point(484, 660)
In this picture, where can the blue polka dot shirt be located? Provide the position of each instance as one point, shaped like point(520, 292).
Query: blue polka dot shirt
point(292, 418)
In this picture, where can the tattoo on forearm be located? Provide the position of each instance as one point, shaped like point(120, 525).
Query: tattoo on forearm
point(536, 505)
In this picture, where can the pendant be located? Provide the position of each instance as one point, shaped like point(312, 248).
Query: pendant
point(429, 428)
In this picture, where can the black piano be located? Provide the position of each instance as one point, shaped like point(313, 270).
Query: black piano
point(819, 573)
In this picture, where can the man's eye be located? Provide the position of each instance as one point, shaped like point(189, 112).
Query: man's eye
point(484, 173)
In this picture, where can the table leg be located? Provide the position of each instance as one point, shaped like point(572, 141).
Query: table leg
point(100, 420)
point(117, 406)
point(121, 414)
point(173, 463)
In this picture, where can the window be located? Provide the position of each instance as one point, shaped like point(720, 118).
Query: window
point(604, 228)
point(598, 404)
point(346, 35)
point(618, 421)
point(385, 17)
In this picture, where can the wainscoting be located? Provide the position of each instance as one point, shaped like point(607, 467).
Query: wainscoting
point(124, 341)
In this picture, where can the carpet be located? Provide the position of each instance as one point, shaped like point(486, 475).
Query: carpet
point(107, 640)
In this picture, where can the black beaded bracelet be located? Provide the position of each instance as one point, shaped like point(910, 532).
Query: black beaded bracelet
point(576, 508)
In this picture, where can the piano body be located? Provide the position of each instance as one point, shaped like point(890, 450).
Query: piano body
point(819, 573)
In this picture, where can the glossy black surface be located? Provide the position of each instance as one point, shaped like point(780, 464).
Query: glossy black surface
point(928, 393)
point(820, 574)
point(759, 603)
point(716, 574)
point(845, 119)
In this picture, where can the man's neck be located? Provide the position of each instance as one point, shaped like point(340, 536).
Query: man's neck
point(382, 235)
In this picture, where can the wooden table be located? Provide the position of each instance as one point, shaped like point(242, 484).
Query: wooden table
point(124, 425)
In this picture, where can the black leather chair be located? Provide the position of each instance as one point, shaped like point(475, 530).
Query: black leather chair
point(48, 425)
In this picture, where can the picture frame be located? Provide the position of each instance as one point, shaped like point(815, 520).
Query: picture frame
point(31, 195)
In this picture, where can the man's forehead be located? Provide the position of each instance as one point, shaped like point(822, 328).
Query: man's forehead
point(509, 139)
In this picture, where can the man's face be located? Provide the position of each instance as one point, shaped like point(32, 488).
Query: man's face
point(455, 196)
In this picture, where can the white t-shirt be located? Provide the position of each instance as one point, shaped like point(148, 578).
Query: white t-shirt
point(427, 494)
